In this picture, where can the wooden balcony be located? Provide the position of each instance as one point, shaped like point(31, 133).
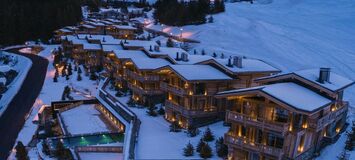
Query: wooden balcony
point(232, 116)
point(245, 144)
point(189, 113)
point(169, 88)
point(141, 78)
point(142, 91)
point(333, 116)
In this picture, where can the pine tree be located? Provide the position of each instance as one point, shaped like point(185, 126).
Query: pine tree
point(21, 152)
point(208, 135)
point(60, 150)
point(151, 111)
point(199, 145)
point(55, 79)
point(206, 151)
point(214, 55)
point(70, 70)
point(203, 52)
point(64, 73)
point(161, 111)
point(67, 77)
point(79, 70)
point(221, 148)
point(192, 131)
point(45, 148)
point(189, 150)
point(79, 77)
point(210, 19)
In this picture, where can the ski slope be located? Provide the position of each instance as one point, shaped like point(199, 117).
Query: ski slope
point(289, 34)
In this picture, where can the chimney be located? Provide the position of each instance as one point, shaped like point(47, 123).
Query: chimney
point(324, 75)
point(184, 57)
point(238, 61)
point(177, 56)
point(230, 62)
point(156, 48)
point(150, 48)
point(103, 39)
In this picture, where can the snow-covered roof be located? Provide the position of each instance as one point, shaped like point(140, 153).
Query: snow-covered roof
point(127, 27)
point(64, 30)
point(91, 46)
point(88, 26)
point(199, 72)
point(139, 43)
point(98, 23)
point(130, 54)
point(335, 81)
point(109, 47)
point(171, 54)
point(107, 22)
point(248, 65)
point(149, 63)
point(140, 59)
point(290, 93)
point(112, 20)
point(297, 96)
point(71, 27)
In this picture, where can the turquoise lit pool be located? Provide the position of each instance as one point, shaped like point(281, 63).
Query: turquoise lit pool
point(87, 140)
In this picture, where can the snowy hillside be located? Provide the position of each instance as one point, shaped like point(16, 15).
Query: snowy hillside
point(290, 34)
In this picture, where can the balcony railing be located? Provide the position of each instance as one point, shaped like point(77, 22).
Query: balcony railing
point(176, 90)
point(331, 117)
point(189, 113)
point(142, 78)
point(142, 91)
point(259, 122)
point(244, 143)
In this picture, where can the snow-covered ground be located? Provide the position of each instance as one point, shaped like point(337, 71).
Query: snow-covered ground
point(290, 34)
point(22, 67)
point(156, 142)
point(96, 156)
point(83, 119)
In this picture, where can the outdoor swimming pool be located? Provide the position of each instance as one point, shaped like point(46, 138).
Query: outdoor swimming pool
point(86, 140)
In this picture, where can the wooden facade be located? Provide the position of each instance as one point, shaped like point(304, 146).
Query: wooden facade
point(265, 127)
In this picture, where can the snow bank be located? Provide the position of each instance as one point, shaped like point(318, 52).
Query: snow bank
point(22, 67)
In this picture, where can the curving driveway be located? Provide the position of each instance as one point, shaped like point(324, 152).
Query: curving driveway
point(13, 118)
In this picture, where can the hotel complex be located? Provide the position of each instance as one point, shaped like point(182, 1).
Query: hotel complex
point(272, 115)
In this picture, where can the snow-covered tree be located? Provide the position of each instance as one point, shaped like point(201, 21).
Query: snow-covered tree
point(200, 144)
point(189, 150)
point(206, 151)
point(221, 148)
point(208, 135)
point(21, 152)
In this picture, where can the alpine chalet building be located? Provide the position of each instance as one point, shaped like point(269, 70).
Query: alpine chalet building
point(288, 116)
